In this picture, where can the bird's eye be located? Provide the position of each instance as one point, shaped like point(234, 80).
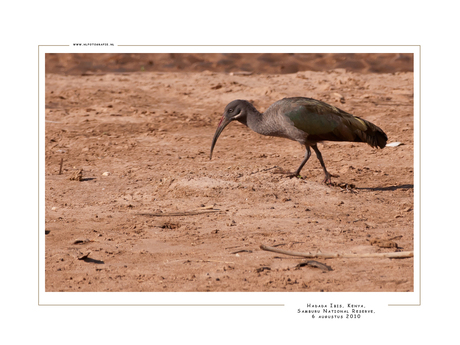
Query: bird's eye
point(230, 110)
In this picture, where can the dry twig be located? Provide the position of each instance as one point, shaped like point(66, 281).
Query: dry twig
point(171, 214)
point(398, 255)
point(314, 263)
point(242, 251)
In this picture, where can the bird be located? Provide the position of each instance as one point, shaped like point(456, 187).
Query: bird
point(305, 120)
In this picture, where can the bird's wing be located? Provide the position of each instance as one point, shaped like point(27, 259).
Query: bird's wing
point(322, 121)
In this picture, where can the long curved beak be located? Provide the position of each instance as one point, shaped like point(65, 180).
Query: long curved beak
point(222, 124)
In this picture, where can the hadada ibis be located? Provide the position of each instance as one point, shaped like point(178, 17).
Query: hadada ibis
point(305, 120)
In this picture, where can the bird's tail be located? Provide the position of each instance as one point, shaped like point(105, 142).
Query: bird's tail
point(371, 134)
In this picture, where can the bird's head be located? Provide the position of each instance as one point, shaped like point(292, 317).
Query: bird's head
point(235, 110)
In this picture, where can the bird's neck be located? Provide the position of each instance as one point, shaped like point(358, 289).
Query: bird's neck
point(257, 122)
point(253, 120)
point(243, 120)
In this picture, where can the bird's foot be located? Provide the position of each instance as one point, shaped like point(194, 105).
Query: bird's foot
point(292, 175)
point(295, 174)
point(327, 179)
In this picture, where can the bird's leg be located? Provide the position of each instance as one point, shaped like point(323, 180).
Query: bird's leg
point(305, 159)
point(327, 179)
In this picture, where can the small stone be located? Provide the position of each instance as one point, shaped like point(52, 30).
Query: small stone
point(339, 97)
point(76, 175)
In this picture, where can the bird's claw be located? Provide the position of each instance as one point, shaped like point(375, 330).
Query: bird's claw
point(295, 174)
point(327, 179)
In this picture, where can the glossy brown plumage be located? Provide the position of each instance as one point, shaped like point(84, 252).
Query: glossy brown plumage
point(305, 120)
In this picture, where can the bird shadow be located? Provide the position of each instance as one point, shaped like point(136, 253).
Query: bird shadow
point(87, 179)
point(389, 188)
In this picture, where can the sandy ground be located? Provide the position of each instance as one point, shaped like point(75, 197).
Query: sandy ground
point(152, 212)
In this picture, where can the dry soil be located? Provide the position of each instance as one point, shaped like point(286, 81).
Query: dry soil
point(152, 212)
